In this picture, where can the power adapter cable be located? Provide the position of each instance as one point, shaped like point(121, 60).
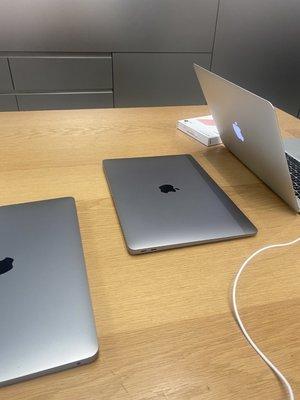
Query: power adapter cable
point(237, 317)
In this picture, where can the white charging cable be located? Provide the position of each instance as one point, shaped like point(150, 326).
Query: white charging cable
point(281, 377)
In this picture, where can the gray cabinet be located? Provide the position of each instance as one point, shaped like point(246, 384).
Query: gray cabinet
point(59, 51)
point(258, 47)
point(62, 81)
point(5, 79)
point(56, 101)
point(107, 26)
point(8, 102)
point(152, 79)
point(61, 73)
point(55, 50)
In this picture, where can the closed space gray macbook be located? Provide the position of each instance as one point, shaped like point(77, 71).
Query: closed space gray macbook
point(170, 201)
point(46, 318)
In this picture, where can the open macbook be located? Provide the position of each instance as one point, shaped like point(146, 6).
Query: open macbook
point(170, 201)
point(46, 317)
point(249, 128)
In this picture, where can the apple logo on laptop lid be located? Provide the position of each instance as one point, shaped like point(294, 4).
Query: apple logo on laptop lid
point(6, 265)
point(167, 188)
point(238, 132)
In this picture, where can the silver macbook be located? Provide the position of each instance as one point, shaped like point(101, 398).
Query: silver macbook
point(46, 318)
point(249, 128)
point(170, 201)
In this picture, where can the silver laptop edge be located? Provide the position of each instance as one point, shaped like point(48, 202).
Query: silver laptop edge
point(249, 128)
point(47, 322)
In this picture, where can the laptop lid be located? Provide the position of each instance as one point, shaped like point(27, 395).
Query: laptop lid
point(46, 318)
point(170, 201)
point(249, 128)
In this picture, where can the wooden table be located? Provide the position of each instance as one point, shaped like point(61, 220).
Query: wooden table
point(163, 319)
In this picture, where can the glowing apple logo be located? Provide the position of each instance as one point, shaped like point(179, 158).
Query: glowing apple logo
point(238, 132)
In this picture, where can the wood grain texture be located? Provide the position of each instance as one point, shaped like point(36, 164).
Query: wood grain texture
point(163, 319)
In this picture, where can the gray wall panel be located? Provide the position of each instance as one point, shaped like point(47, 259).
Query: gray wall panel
point(5, 79)
point(8, 102)
point(258, 47)
point(106, 25)
point(142, 79)
point(61, 73)
point(56, 101)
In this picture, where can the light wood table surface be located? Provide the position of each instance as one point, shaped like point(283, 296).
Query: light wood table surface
point(163, 319)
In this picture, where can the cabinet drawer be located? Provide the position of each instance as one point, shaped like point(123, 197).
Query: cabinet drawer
point(61, 73)
point(8, 102)
point(64, 101)
point(157, 79)
point(5, 79)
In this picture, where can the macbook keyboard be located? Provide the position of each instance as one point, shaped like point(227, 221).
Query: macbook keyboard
point(294, 167)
